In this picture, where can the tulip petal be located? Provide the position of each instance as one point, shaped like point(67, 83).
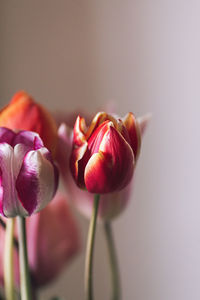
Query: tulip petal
point(75, 164)
point(6, 190)
point(98, 120)
point(122, 129)
point(36, 181)
point(8, 201)
point(6, 135)
point(112, 167)
point(28, 138)
point(133, 129)
point(95, 140)
point(79, 131)
point(81, 154)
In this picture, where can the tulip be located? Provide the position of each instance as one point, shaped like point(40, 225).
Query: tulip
point(28, 176)
point(23, 113)
point(111, 204)
point(53, 240)
point(106, 135)
point(104, 155)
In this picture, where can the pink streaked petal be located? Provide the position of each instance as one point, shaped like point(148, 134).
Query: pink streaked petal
point(8, 194)
point(6, 135)
point(20, 151)
point(36, 182)
point(112, 168)
point(46, 154)
point(29, 138)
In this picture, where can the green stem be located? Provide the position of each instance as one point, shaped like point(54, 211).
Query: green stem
point(8, 260)
point(25, 285)
point(90, 250)
point(116, 291)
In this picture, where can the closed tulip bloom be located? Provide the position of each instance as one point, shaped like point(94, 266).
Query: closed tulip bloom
point(28, 176)
point(104, 154)
point(23, 113)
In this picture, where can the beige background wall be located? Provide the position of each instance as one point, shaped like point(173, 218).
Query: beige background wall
point(144, 55)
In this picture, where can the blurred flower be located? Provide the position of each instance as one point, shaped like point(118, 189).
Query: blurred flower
point(23, 113)
point(53, 240)
point(111, 204)
point(28, 176)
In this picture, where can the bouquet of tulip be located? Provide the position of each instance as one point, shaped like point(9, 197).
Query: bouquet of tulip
point(96, 164)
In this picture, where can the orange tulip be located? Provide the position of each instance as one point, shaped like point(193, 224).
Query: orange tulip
point(23, 113)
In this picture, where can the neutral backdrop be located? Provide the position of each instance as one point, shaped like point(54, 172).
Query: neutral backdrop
point(143, 56)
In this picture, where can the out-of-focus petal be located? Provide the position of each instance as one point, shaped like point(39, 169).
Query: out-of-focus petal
point(65, 138)
point(144, 121)
point(6, 135)
point(53, 240)
point(23, 113)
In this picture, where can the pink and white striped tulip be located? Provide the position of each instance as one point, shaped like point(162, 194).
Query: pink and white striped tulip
point(28, 176)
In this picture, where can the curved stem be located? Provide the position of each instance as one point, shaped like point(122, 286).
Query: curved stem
point(90, 250)
point(116, 291)
point(25, 285)
point(8, 260)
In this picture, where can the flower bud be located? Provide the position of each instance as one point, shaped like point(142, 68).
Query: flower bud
point(28, 176)
point(23, 113)
point(104, 155)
